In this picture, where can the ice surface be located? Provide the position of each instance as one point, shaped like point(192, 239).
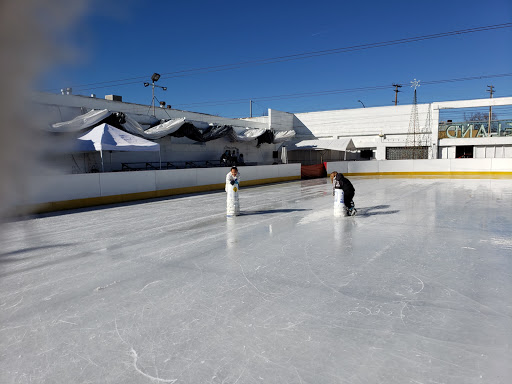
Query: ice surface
point(417, 288)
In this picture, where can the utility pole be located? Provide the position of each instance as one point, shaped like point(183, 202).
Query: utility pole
point(491, 91)
point(396, 92)
point(250, 108)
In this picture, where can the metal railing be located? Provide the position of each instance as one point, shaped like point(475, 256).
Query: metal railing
point(155, 165)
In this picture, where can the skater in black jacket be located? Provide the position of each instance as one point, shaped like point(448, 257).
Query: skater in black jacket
point(341, 182)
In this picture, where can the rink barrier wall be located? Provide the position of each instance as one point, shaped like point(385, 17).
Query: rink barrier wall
point(63, 192)
point(457, 168)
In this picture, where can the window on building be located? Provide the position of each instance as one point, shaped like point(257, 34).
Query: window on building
point(366, 153)
point(406, 153)
point(464, 152)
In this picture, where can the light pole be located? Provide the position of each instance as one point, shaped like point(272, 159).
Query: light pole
point(154, 79)
point(362, 103)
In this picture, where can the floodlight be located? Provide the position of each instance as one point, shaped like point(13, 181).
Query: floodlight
point(154, 78)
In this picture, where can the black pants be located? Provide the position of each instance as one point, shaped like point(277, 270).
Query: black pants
point(347, 198)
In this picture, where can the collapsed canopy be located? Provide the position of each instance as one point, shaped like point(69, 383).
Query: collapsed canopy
point(181, 127)
point(90, 119)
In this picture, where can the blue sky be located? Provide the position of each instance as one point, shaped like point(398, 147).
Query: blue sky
point(118, 40)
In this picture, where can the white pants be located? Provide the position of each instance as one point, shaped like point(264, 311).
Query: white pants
point(339, 203)
point(232, 204)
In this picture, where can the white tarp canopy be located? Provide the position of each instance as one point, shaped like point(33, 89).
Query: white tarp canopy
point(155, 132)
point(281, 136)
point(105, 137)
point(246, 134)
point(89, 119)
point(93, 117)
point(333, 145)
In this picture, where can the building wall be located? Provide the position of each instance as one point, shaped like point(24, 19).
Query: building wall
point(483, 147)
point(260, 119)
point(382, 127)
point(359, 123)
point(480, 152)
point(374, 128)
point(280, 121)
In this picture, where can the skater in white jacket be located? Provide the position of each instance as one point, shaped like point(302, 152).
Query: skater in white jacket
point(232, 187)
point(232, 177)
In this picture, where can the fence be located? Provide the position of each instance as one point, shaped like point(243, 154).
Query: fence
point(57, 192)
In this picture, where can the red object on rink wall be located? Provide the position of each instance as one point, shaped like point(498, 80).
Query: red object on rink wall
point(312, 171)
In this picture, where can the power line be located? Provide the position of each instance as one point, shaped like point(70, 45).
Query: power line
point(336, 91)
point(392, 115)
point(265, 109)
point(282, 97)
point(292, 57)
point(267, 99)
point(502, 109)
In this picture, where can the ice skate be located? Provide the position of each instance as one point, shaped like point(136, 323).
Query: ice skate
point(352, 210)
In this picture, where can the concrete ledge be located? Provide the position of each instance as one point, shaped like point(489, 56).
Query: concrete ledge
point(440, 175)
point(128, 197)
point(490, 168)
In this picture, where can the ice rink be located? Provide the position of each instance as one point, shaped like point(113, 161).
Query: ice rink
point(417, 288)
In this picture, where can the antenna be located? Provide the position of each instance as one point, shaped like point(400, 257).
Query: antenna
point(415, 148)
point(415, 83)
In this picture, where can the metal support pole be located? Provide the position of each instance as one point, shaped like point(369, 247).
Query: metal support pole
point(153, 98)
point(154, 78)
point(250, 108)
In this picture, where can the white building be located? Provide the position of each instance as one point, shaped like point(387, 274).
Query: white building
point(380, 133)
point(381, 129)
